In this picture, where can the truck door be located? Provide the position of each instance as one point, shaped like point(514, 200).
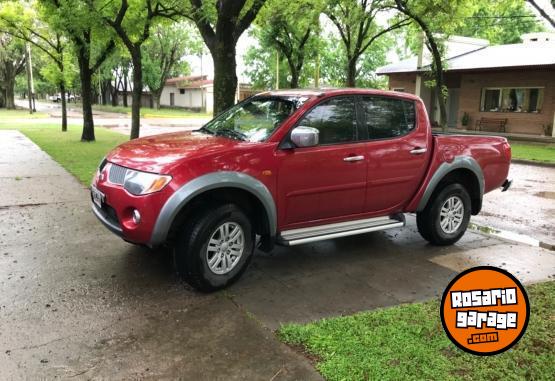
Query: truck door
point(328, 180)
point(397, 152)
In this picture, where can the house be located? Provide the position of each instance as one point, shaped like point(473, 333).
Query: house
point(514, 83)
point(146, 98)
point(193, 92)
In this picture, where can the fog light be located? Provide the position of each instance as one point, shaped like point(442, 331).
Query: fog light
point(136, 217)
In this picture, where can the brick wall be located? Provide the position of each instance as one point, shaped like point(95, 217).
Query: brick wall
point(405, 81)
point(471, 85)
point(518, 122)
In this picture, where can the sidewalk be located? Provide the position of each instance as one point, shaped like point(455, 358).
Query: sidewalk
point(76, 301)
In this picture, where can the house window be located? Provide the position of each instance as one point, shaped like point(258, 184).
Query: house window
point(181, 91)
point(512, 99)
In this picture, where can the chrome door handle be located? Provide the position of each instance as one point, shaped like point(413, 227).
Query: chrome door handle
point(353, 158)
point(418, 151)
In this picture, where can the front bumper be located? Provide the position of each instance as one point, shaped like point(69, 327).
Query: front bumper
point(107, 220)
point(117, 210)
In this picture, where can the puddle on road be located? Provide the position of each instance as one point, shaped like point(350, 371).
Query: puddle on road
point(502, 234)
point(550, 195)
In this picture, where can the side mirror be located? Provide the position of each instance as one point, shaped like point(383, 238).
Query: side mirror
point(305, 136)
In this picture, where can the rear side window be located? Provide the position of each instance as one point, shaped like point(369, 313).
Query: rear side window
point(388, 117)
point(335, 119)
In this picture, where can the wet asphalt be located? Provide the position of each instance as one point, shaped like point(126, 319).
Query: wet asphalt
point(78, 302)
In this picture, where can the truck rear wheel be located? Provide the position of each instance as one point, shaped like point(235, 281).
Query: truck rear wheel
point(445, 218)
point(215, 248)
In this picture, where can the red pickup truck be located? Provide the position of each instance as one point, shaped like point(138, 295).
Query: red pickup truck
point(291, 167)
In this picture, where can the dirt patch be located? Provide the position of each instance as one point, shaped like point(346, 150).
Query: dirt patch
point(550, 195)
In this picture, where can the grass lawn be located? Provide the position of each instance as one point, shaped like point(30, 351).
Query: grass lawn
point(79, 158)
point(408, 343)
point(153, 113)
point(535, 152)
point(20, 114)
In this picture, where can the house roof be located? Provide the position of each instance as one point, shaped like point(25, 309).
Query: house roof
point(189, 78)
point(486, 57)
point(195, 84)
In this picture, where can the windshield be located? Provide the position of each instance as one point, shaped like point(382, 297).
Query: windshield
point(253, 120)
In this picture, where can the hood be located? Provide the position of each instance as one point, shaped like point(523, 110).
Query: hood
point(159, 153)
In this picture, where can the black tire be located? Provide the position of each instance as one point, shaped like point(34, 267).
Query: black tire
point(429, 220)
point(190, 250)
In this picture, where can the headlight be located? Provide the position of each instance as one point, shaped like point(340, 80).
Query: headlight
point(139, 183)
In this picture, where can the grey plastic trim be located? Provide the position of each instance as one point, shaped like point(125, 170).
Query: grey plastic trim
point(444, 169)
point(214, 180)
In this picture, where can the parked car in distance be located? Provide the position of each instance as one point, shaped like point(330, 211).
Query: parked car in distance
point(291, 167)
point(58, 98)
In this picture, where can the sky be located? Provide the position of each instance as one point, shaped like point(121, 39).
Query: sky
point(245, 41)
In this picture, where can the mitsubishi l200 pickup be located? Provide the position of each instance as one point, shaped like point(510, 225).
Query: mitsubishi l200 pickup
point(291, 167)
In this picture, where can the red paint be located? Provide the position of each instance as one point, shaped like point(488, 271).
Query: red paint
point(310, 186)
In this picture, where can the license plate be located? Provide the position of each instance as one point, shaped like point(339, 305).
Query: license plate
point(97, 196)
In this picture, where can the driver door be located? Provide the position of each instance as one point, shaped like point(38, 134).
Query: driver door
point(325, 182)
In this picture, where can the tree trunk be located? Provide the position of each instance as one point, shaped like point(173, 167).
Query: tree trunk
point(125, 89)
point(137, 93)
point(440, 82)
point(114, 94)
point(295, 71)
point(86, 95)
point(10, 93)
point(225, 77)
point(156, 98)
point(351, 72)
point(64, 106)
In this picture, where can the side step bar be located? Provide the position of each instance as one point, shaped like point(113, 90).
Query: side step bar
point(341, 229)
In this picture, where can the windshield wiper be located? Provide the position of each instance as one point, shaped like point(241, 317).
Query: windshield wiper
point(205, 130)
point(231, 133)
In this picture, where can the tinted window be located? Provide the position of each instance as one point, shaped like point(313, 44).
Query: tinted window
point(335, 119)
point(388, 117)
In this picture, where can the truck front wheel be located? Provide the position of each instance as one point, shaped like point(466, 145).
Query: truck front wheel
point(445, 219)
point(215, 247)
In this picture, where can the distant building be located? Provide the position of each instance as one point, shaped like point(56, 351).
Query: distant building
point(514, 83)
point(193, 92)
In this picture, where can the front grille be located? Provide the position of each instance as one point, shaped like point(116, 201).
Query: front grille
point(117, 174)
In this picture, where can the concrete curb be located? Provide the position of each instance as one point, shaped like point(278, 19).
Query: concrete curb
point(532, 162)
point(510, 236)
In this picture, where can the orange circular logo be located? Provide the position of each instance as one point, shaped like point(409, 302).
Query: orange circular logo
point(485, 310)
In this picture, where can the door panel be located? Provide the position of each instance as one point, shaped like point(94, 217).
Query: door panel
point(397, 153)
point(327, 180)
point(317, 183)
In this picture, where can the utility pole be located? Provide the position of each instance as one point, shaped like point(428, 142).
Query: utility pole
point(277, 69)
point(29, 77)
point(202, 88)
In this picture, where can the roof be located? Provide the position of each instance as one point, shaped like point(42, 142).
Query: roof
point(195, 84)
point(487, 57)
point(189, 78)
point(335, 91)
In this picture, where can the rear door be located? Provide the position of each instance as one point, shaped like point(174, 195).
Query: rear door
point(397, 151)
point(327, 181)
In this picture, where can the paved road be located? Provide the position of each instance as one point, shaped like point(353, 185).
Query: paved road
point(115, 121)
point(528, 207)
point(77, 301)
